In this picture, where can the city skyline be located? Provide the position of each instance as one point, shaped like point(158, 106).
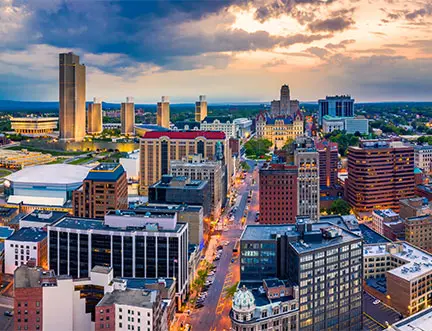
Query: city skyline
point(187, 48)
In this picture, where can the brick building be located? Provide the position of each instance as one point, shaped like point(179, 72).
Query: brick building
point(328, 162)
point(278, 194)
point(104, 189)
point(380, 173)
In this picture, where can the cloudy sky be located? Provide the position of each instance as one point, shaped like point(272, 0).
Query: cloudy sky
point(230, 50)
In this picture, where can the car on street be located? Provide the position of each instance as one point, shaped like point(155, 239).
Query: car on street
point(211, 273)
point(232, 260)
point(219, 248)
point(8, 313)
point(217, 258)
point(226, 243)
point(376, 302)
point(199, 305)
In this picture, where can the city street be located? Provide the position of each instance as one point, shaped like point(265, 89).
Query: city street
point(214, 315)
point(6, 322)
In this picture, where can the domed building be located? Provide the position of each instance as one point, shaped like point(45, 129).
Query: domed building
point(271, 305)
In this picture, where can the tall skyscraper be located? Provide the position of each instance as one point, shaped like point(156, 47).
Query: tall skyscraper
point(308, 195)
point(201, 109)
point(163, 112)
point(380, 173)
point(278, 194)
point(127, 116)
point(335, 106)
point(328, 162)
point(285, 100)
point(94, 117)
point(72, 97)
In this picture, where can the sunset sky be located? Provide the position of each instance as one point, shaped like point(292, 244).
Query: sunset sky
point(231, 51)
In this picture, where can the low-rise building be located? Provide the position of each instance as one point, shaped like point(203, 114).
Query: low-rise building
point(271, 304)
point(423, 157)
point(7, 214)
point(181, 189)
point(380, 217)
point(350, 125)
point(196, 168)
point(414, 207)
point(24, 245)
point(23, 158)
point(131, 309)
point(224, 124)
point(418, 231)
point(399, 275)
point(36, 126)
point(40, 218)
point(418, 322)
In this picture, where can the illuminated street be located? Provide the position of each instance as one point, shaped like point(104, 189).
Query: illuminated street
point(214, 315)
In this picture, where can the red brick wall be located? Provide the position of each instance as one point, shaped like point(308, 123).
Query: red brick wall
point(27, 304)
point(105, 318)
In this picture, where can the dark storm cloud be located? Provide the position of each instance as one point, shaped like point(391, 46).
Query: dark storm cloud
point(147, 31)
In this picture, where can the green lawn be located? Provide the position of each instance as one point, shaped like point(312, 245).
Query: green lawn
point(4, 172)
point(81, 160)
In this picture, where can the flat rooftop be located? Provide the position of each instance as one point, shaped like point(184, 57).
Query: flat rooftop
point(106, 172)
point(385, 213)
point(5, 232)
point(77, 223)
point(422, 321)
point(44, 216)
point(130, 297)
point(143, 213)
point(312, 240)
point(29, 234)
point(141, 283)
point(370, 236)
point(417, 262)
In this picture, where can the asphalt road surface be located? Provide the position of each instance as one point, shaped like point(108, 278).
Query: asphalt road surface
point(215, 313)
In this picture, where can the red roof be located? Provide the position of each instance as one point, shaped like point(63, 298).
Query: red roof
point(184, 134)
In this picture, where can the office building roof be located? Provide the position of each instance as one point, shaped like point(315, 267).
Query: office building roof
point(77, 223)
point(141, 283)
point(370, 236)
point(179, 182)
point(44, 216)
point(29, 234)
point(185, 135)
point(50, 174)
point(221, 119)
point(152, 127)
point(106, 172)
point(5, 232)
point(417, 261)
point(130, 297)
point(7, 212)
point(421, 321)
point(320, 235)
point(385, 213)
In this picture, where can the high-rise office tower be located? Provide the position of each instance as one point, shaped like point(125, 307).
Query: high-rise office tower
point(94, 117)
point(308, 194)
point(104, 188)
point(158, 149)
point(380, 173)
point(127, 116)
point(285, 100)
point(328, 162)
point(72, 97)
point(324, 260)
point(163, 112)
point(335, 106)
point(278, 194)
point(201, 109)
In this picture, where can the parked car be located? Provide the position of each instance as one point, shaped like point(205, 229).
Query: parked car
point(376, 302)
point(232, 260)
point(8, 313)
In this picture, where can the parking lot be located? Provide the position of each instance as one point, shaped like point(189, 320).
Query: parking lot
point(6, 323)
point(377, 316)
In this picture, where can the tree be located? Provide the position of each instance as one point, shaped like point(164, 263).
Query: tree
point(340, 207)
point(257, 147)
point(245, 165)
point(231, 290)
